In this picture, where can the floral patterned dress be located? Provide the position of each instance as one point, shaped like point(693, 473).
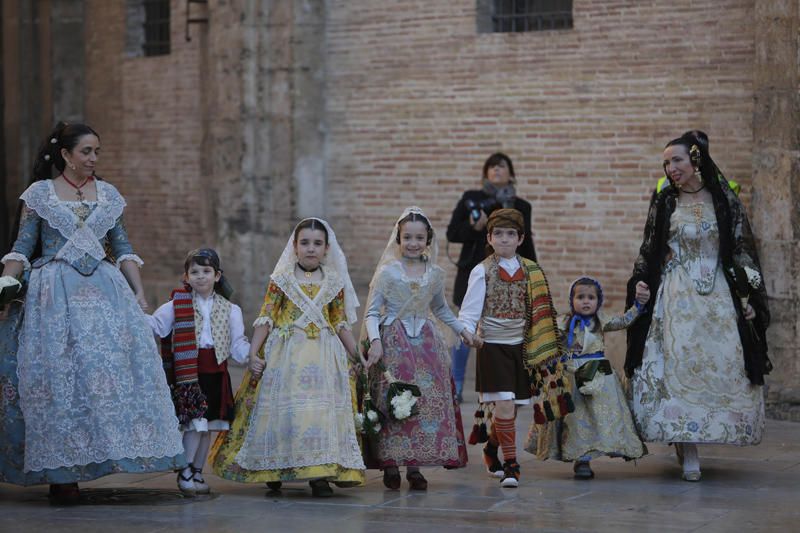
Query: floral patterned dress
point(84, 393)
point(692, 386)
point(601, 423)
point(414, 352)
point(297, 422)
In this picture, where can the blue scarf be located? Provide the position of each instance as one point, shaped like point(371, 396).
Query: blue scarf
point(585, 322)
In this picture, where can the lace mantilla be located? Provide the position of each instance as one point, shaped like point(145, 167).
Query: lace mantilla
point(83, 237)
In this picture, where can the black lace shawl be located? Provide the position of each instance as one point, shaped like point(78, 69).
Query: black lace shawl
point(737, 247)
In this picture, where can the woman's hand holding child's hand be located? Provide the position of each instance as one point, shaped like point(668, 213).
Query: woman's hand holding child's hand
point(642, 292)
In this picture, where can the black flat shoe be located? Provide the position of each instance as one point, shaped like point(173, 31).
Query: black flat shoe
point(391, 478)
point(582, 470)
point(320, 488)
point(417, 481)
point(64, 494)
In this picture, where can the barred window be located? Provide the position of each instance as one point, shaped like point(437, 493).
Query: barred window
point(147, 28)
point(156, 27)
point(501, 16)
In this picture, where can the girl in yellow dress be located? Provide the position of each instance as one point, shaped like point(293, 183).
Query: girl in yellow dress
point(295, 409)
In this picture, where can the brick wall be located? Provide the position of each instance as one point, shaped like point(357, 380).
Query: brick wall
point(417, 100)
point(147, 111)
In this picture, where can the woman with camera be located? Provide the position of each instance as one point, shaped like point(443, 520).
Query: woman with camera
point(468, 226)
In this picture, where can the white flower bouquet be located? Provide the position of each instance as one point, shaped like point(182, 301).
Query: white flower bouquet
point(401, 398)
point(368, 422)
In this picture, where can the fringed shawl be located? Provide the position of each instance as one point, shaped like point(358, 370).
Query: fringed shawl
point(542, 342)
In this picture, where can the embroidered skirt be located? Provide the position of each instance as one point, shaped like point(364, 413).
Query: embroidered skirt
point(434, 436)
point(692, 386)
point(601, 424)
point(86, 354)
point(296, 422)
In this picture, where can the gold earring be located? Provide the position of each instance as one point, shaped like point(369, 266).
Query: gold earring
point(72, 166)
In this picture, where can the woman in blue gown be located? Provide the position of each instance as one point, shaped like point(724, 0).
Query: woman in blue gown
point(83, 391)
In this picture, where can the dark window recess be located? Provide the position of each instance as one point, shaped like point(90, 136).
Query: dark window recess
point(530, 15)
point(156, 27)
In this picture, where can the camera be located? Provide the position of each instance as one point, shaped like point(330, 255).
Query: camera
point(486, 205)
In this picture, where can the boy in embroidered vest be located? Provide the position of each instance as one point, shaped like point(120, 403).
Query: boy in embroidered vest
point(200, 329)
point(509, 301)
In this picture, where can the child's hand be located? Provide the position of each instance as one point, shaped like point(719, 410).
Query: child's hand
point(142, 301)
point(375, 352)
point(467, 336)
point(477, 341)
point(257, 365)
point(642, 292)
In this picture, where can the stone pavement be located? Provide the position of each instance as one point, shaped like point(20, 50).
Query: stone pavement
point(743, 489)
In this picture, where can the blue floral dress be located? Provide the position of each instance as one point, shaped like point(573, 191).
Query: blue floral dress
point(80, 365)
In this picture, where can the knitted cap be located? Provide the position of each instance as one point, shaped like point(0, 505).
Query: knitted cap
point(506, 218)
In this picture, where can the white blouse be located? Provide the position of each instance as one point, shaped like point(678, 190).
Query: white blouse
point(163, 320)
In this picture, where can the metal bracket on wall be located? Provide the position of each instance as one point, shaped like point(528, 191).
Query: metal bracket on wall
point(195, 19)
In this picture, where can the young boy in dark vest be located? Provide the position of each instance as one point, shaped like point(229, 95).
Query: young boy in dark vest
point(508, 306)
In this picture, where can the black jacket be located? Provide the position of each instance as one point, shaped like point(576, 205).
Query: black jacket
point(736, 247)
point(473, 250)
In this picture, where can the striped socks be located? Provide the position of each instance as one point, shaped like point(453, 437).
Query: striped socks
point(506, 434)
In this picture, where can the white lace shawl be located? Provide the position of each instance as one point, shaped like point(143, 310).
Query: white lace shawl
point(392, 253)
point(83, 237)
point(334, 267)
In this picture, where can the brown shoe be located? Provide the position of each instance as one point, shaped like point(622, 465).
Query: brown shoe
point(416, 481)
point(391, 478)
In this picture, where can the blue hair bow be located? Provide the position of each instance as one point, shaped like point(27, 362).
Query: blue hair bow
point(585, 321)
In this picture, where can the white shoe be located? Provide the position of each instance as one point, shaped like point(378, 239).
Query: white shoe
point(509, 483)
point(690, 462)
point(510, 476)
point(186, 482)
point(200, 485)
